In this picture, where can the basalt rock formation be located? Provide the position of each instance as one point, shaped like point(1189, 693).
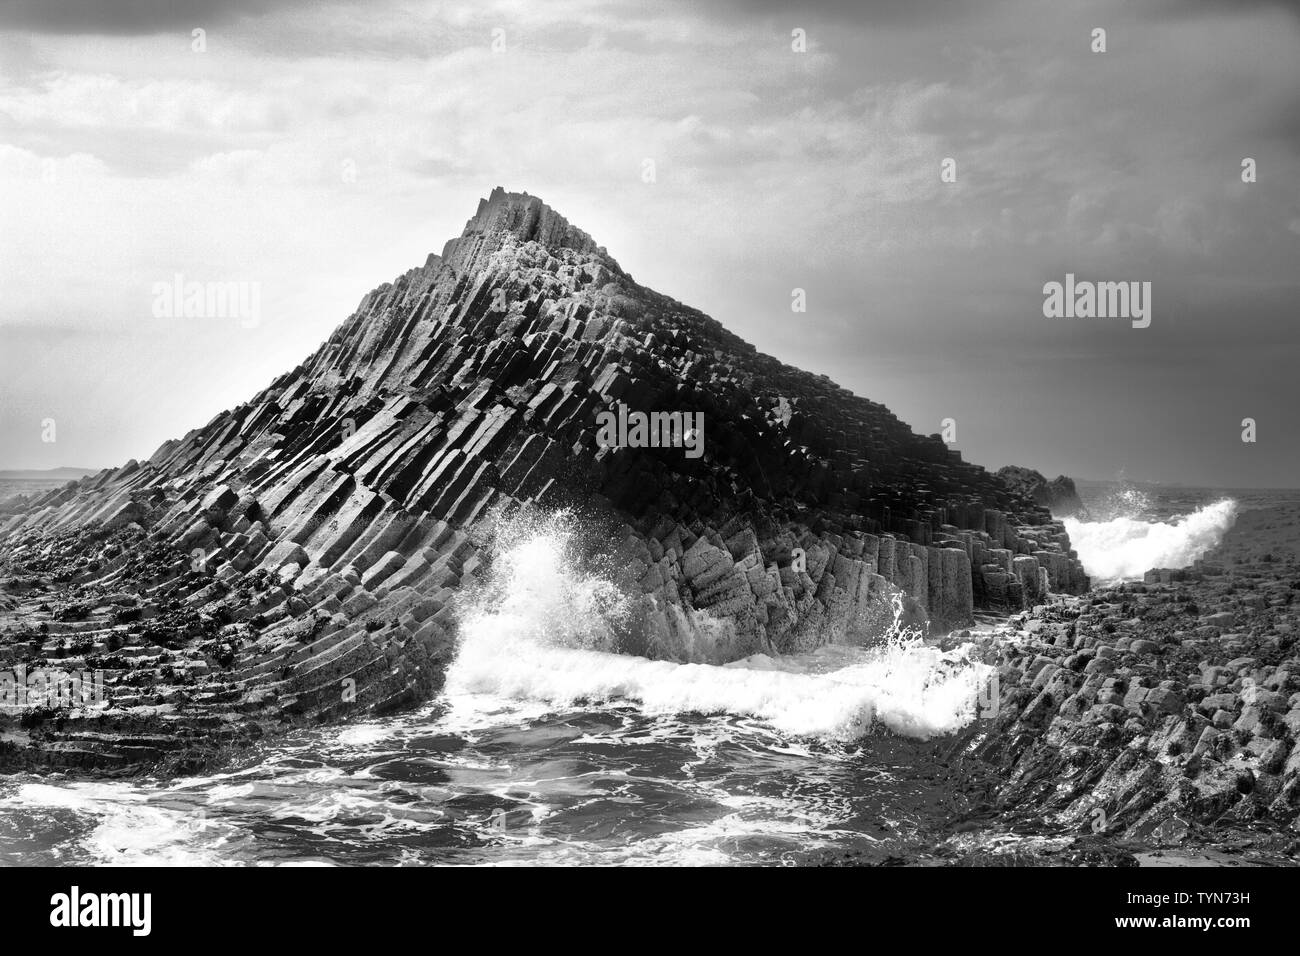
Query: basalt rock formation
point(1165, 711)
point(1058, 495)
point(296, 558)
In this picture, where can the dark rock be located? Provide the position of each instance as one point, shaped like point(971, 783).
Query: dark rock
point(1058, 495)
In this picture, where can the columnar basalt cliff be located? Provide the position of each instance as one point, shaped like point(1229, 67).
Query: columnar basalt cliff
point(296, 558)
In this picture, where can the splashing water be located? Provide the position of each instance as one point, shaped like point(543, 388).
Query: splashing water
point(537, 594)
point(543, 630)
point(549, 746)
point(1124, 500)
point(1125, 548)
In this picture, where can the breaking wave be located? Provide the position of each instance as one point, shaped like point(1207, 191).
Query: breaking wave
point(542, 629)
point(1123, 500)
point(1125, 548)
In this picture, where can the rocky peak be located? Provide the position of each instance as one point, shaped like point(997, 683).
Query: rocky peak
point(523, 217)
point(317, 535)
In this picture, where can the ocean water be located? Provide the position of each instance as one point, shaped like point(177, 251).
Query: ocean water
point(1142, 501)
point(493, 781)
point(1133, 527)
point(550, 746)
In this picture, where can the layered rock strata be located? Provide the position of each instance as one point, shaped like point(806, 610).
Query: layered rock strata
point(296, 558)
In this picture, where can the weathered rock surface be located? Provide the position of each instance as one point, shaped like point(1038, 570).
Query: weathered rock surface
point(1162, 712)
point(295, 559)
point(1058, 495)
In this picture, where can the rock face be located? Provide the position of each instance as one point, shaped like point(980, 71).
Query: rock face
point(295, 559)
point(1058, 495)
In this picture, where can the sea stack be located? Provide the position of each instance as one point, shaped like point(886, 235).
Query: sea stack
point(296, 558)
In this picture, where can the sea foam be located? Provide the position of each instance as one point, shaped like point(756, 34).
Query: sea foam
point(543, 630)
point(1124, 548)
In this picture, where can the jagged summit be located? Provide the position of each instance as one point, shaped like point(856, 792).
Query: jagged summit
point(524, 217)
point(316, 535)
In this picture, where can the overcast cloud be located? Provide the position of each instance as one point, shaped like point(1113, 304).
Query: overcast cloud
point(321, 149)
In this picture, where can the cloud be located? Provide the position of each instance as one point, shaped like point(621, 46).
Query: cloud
point(1174, 8)
point(324, 150)
point(856, 13)
point(133, 17)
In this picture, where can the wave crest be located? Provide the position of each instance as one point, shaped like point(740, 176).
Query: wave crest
point(542, 629)
point(1125, 548)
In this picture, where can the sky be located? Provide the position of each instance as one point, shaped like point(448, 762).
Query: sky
point(313, 150)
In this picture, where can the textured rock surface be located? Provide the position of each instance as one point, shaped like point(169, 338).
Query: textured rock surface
point(1162, 712)
point(1058, 495)
point(295, 558)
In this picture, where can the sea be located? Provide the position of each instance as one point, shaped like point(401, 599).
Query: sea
point(548, 747)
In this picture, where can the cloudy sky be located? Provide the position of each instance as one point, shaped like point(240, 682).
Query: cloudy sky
point(321, 148)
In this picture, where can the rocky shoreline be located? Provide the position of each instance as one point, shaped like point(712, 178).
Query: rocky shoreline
point(1155, 717)
point(298, 559)
point(1138, 719)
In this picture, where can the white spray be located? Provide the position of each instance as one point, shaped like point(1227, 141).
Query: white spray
point(543, 630)
point(1125, 548)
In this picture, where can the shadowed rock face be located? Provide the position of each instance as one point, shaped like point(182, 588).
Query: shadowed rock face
point(295, 558)
point(1059, 495)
